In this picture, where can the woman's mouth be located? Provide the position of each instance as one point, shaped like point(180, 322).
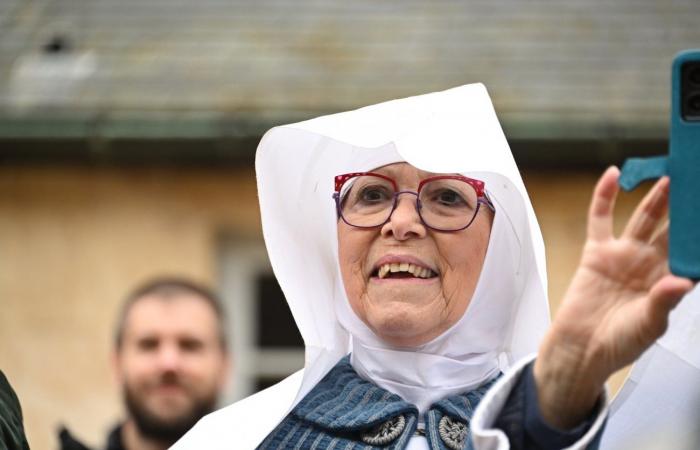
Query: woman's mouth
point(402, 270)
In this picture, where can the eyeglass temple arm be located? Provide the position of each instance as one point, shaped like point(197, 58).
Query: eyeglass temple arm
point(486, 200)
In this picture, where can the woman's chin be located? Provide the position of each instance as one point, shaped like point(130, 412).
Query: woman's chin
point(403, 327)
point(402, 316)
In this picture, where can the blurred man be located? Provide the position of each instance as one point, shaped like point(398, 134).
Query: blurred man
point(171, 362)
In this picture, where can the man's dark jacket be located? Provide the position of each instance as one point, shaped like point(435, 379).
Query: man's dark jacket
point(114, 440)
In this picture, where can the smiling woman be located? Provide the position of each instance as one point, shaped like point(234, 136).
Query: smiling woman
point(408, 251)
point(407, 311)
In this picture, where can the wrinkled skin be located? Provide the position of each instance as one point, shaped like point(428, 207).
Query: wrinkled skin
point(616, 306)
point(410, 312)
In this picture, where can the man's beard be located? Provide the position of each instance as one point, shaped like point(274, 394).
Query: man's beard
point(166, 430)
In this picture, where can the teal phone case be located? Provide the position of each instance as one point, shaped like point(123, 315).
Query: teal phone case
point(682, 165)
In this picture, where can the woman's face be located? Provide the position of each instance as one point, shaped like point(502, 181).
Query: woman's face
point(408, 311)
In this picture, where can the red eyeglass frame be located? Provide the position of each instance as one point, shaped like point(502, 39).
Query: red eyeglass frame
point(478, 185)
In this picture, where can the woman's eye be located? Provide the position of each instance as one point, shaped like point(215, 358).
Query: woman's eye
point(449, 198)
point(373, 195)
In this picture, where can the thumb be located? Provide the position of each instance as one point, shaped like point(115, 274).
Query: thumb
point(663, 297)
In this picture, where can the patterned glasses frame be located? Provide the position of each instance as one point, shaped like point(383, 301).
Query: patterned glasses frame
point(478, 186)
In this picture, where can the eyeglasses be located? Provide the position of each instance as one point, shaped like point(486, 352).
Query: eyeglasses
point(443, 202)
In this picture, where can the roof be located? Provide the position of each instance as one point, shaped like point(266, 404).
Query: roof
point(586, 68)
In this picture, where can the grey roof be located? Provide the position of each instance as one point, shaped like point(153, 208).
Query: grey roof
point(552, 67)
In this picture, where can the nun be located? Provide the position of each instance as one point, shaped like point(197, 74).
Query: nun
point(409, 253)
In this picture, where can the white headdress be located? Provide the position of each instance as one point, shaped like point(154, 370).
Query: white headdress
point(451, 131)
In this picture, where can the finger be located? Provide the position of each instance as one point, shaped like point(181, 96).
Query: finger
point(600, 221)
point(649, 213)
point(660, 240)
point(663, 297)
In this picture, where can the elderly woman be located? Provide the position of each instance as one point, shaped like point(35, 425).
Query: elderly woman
point(410, 256)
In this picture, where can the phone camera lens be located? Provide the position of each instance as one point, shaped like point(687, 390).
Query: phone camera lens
point(694, 104)
point(694, 76)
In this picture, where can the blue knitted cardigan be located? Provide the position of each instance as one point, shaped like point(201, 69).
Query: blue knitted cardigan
point(347, 412)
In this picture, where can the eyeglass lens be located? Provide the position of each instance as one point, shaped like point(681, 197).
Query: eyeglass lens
point(445, 204)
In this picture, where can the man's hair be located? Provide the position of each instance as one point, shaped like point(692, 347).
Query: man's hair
point(170, 288)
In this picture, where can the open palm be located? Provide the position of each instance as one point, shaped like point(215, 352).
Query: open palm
point(619, 299)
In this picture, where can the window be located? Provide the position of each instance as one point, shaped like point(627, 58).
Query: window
point(264, 339)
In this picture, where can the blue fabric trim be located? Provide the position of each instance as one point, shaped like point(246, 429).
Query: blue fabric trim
point(344, 401)
point(343, 406)
point(541, 435)
point(460, 407)
point(338, 411)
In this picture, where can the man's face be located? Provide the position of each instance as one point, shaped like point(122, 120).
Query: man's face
point(171, 364)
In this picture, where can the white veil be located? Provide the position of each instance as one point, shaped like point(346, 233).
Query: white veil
point(452, 131)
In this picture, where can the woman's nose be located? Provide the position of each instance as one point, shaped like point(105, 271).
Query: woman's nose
point(405, 222)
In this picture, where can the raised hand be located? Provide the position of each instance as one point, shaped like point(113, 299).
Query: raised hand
point(616, 306)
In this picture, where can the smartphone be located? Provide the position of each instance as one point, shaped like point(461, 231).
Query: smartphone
point(682, 165)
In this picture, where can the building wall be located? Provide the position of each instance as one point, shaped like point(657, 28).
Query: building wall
point(73, 240)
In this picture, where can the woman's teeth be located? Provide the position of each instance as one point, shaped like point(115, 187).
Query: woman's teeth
point(416, 271)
